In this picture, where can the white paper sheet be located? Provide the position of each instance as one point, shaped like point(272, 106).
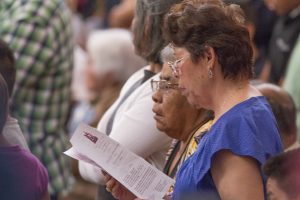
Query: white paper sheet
point(132, 171)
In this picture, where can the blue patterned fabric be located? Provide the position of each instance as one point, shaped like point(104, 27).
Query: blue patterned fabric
point(248, 129)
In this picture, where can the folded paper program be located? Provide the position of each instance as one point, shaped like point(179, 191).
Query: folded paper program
point(132, 171)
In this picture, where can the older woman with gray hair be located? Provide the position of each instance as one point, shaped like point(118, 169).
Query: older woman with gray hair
point(111, 58)
point(110, 62)
point(176, 117)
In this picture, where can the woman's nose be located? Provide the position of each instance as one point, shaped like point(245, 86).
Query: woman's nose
point(156, 97)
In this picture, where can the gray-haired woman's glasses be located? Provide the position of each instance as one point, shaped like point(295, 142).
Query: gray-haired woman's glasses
point(162, 85)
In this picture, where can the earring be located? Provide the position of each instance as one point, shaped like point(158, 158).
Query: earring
point(210, 73)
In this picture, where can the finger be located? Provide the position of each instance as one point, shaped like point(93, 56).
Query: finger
point(110, 184)
point(108, 189)
point(107, 177)
point(116, 191)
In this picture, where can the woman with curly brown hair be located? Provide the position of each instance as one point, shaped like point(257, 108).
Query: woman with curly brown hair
point(214, 66)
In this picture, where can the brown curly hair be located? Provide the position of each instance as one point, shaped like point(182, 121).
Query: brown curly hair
point(196, 24)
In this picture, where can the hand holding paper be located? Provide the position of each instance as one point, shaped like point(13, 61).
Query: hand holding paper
point(117, 190)
point(132, 171)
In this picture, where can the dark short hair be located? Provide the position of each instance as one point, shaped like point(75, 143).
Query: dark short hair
point(4, 99)
point(196, 24)
point(7, 66)
point(147, 28)
point(284, 168)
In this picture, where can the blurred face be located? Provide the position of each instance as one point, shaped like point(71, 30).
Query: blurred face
point(274, 192)
point(93, 81)
point(193, 78)
point(281, 7)
point(171, 110)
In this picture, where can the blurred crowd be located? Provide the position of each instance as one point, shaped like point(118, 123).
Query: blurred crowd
point(204, 90)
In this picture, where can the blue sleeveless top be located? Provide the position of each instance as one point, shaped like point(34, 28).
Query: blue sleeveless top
point(247, 129)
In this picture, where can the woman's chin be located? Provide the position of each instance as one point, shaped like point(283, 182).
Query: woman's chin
point(160, 126)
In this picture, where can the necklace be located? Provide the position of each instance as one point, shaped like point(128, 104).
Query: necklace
point(171, 168)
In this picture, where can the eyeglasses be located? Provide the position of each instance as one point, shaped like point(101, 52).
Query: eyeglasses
point(174, 66)
point(163, 85)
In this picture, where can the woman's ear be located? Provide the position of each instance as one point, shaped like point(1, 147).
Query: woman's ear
point(210, 57)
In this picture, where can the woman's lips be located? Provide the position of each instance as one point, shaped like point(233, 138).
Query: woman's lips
point(158, 118)
point(157, 113)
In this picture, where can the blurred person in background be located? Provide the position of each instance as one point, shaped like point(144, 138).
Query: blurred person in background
point(18, 165)
point(284, 38)
point(284, 111)
point(121, 14)
point(291, 80)
point(11, 130)
point(86, 17)
point(111, 61)
point(108, 6)
point(129, 120)
point(264, 25)
point(40, 34)
point(283, 176)
point(285, 49)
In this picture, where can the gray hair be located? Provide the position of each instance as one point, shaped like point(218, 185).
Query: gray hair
point(168, 54)
point(112, 51)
